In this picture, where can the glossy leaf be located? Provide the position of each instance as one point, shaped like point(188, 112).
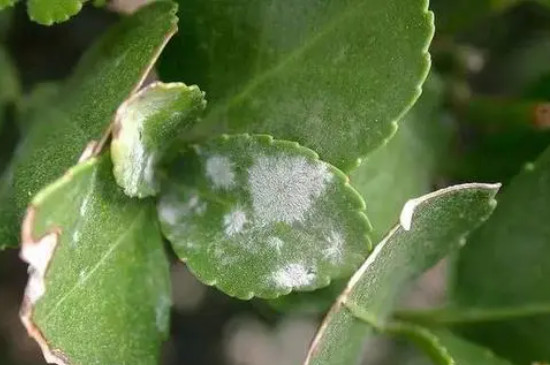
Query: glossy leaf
point(334, 76)
point(145, 126)
point(445, 348)
point(99, 289)
point(47, 12)
point(431, 227)
point(112, 70)
point(261, 217)
point(512, 246)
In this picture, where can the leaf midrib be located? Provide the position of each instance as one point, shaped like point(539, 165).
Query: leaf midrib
point(80, 283)
point(285, 61)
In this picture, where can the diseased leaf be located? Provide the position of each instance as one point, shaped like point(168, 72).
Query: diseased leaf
point(145, 125)
point(431, 227)
point(334, 76)
point(512, 247)
point(47, 12)
point(105, 77)
point(445, 348)
point(406, 166)
point(99, 290)
point(261, 217)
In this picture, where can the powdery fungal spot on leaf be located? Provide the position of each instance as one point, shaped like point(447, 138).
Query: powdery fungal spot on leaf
point(334, 248)
point(234, 222)
point(219, 170)
point(276, 243)
point(289, 219)
point(283, 188)
point(293, 276)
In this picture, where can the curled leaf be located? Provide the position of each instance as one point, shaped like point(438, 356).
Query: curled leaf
point(145, 126)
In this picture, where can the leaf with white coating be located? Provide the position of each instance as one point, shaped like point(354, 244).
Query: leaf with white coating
point(261, 217)
point(334, 76)
point(145, 126)
point(108, 73)
point(437, 225)
point(99, 289)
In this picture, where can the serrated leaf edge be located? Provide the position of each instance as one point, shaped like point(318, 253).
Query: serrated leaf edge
point(307, 152)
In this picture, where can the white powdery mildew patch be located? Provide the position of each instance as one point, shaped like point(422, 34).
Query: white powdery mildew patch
point(335, 243)
point(233, 222)
point(276, 243)
point(219, 169)
point(284, 188)
point(172, 210)
point(293, 276)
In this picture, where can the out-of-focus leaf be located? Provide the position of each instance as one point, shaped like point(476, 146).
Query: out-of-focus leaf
point(145, 126)
point(47, 12)
point(104, 78)
point(262, 217)
point(9, 83)
point(431, 227)
point(445, 348)
point(334, 76)
point(505, 265)
point(7, 3)
point(99, 287)
point(32, 104)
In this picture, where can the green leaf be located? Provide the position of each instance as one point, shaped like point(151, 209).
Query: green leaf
point(99, 289)
point(506, 265)
point(10, 89)
point(334, 76)
point(112, 70)
point(443, 347)
point(7, 3)
point(9, 85)
point(261, 217)
point(32, 104)
point(145, 126)
point(431, 227)
point(47, 12)
point(408, 164)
